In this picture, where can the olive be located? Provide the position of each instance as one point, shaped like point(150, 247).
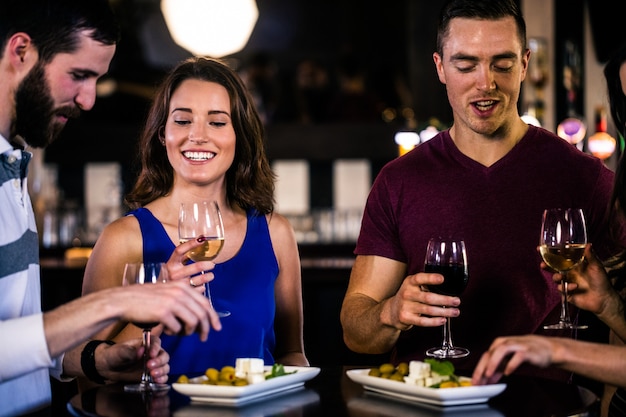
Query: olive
point(403, 368)
point(213, 374)
point(223, 382)
point(240, 382)
point(227, 374)
point(387, 368)
point(396, 376)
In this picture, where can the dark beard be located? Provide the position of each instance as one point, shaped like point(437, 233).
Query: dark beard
point(34, 110)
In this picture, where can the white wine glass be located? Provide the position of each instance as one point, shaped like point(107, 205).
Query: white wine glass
point(447, 257)
point(202, 219)
point(144, 274)
point(562, 247)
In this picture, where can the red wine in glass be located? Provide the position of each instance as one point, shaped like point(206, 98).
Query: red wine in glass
point(455, 279)
point(448, 258)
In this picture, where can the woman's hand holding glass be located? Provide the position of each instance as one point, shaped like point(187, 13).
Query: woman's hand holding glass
point(195, 274)
point(590, 289)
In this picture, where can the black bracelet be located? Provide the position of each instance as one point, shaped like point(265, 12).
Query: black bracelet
point(88, 360)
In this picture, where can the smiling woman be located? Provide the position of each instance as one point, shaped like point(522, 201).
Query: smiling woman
point(203, 141)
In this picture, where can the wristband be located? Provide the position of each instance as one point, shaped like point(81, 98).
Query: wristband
point(88, 360)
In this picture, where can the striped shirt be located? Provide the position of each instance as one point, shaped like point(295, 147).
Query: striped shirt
point(24, 357)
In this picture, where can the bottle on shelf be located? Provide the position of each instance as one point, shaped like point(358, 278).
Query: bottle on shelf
point(601, 144)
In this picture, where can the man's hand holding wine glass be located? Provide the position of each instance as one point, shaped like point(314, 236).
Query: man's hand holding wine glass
point(176, 305)
point(413, 304)
point(127, 357)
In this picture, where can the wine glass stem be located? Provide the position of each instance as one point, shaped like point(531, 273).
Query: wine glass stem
point(564, 304)
point(447, 336)
point(147, 342)
point(207, 292)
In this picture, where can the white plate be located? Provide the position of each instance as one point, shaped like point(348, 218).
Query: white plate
point(435, 396)
point(286, 403)
point(227, 395)
point(382, 405)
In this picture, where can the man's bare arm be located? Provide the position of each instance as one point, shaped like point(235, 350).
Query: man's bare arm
point(381, 301)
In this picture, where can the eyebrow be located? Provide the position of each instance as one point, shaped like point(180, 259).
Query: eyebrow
point(219, 112)
point(465, 57)
point(211, 112)
point(86, 72)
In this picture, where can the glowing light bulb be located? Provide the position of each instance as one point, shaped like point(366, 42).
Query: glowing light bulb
point(406, 141)
point(214, 28)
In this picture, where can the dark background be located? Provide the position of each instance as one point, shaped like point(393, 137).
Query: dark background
point(390, 42)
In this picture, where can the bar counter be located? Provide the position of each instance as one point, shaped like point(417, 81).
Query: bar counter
point(333, 394)
point(325, 274)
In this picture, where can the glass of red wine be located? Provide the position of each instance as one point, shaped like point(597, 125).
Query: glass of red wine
point(447, 256)
point(144, 274)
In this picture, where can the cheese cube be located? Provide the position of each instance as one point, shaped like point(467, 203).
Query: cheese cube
point(251, 369)
point(246, 366)
point(256, 366)
point(414, 381)
point(255, 378)
point(419, 369)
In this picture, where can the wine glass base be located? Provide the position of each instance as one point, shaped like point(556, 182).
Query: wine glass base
point(443, 353)
point(146, 387)
point(565, 326)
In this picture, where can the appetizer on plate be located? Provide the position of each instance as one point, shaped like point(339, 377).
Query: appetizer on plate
point(431, 373)
point(245, 372)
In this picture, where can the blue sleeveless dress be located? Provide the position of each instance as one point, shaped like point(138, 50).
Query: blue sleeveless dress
point(243, 285)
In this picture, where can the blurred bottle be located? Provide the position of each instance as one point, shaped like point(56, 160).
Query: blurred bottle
point(601, 144)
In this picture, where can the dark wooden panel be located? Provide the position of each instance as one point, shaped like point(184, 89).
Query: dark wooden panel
point(332, 141)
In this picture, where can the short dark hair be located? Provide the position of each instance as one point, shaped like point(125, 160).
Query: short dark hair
point(249, 180)
point(54, 25)
point(479, 9)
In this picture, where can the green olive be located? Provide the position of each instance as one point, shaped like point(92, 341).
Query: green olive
point(396, 376)
point(387, 368)
point(403, 368)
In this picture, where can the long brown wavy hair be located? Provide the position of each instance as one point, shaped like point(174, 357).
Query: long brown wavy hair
point(617, 103)
point(249, 180)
